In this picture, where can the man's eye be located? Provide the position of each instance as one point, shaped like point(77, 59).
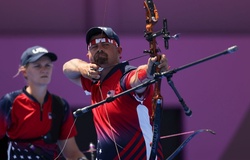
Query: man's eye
point(93, 47)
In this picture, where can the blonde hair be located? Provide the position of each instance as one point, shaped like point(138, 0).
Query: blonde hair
point(20, 68)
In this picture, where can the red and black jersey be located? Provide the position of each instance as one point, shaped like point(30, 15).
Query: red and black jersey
point(123, 126)
point(22, 117)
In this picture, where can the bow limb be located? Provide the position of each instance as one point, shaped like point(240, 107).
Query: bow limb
point(194, 133)
point(151, 13)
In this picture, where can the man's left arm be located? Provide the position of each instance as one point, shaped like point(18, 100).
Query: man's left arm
point(143, 72)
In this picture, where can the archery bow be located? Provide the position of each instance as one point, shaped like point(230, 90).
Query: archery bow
point(151, 20)
point(157, 100)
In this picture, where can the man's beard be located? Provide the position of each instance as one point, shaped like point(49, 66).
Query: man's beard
point(101, 58)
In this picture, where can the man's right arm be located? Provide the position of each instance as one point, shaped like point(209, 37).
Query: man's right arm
point(73, 72)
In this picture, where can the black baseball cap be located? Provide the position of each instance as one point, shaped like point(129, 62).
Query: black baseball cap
point(32, 54)
point(98, 30)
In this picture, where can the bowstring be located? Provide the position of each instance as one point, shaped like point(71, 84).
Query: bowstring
point(105, 12)
point(105, 106)
point(110, 126)
point(66, 141)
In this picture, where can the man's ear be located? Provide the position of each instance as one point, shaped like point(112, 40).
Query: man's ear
point(90, 57)
point(119, 49)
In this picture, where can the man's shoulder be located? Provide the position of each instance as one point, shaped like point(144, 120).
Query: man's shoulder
point(125, 67)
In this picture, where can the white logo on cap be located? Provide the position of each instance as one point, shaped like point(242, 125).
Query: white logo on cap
point(38, 50)
point(103, 28)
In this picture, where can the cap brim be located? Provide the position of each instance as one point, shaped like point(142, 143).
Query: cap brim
point(51, 55)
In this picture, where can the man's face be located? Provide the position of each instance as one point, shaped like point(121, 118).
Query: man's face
point(103, 51)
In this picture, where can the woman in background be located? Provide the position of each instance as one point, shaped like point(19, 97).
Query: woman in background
point(37, 123)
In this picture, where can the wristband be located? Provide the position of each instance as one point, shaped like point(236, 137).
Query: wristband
point(142, 75)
